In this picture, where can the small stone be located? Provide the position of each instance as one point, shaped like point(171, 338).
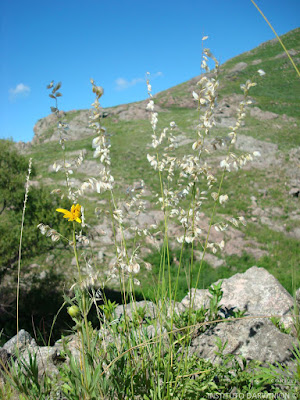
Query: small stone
point(100, 256)
point(43, 275)
point(294, 192)
point(34, 266)
point(50, 259)
point(256, 62)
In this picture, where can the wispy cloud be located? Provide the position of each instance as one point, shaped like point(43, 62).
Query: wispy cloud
point(122, 84)
point(156, 75)
point(20, 90)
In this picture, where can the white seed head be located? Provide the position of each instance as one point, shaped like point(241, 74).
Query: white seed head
point(261, 72)
point(150, 105)
point(195, 95)
point(223, 198)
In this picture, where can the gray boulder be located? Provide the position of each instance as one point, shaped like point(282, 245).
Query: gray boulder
point(252, 338)
point(47, 359)
point(198, 297)
point(256, 291)
point(130, 309)
point(19, 342)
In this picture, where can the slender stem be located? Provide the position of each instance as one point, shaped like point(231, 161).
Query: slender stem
point(207, 237)
point(20, 246)
point(83, 294)
point(76, 254)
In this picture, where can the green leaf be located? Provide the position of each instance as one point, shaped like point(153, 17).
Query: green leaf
point(56, 87)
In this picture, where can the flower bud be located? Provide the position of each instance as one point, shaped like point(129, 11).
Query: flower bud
point(73, 311)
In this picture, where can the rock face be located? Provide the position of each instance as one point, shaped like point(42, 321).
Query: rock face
point(23, 340)
point(256, 292)
point(262, 115)
point(254, 339)
point(45, 130)
point(238, 67)
point(253, 336)
point(150, 309)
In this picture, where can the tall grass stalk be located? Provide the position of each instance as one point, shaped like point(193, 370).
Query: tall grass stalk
point(20, 245)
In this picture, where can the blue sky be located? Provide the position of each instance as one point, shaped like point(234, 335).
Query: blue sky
point(116, 42)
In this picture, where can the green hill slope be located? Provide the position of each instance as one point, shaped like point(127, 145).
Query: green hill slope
point(271, 126)
point(265, 192)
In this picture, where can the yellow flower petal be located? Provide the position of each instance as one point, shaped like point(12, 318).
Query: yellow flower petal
point(73, 215)
point(62, 210)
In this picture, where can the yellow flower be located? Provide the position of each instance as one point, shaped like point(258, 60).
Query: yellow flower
point(73, 215)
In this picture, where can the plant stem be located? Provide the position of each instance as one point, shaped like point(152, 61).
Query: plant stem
point(20, 246)
point(83, 294)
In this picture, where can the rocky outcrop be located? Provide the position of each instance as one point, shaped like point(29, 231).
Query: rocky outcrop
point(238, 67)
point(262, 115)
point(21, 341)
point(254, 339)
point(45, 130)
point(253, 336)
point(256, 292)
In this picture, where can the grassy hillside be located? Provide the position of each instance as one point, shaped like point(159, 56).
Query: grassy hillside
point(265, 192)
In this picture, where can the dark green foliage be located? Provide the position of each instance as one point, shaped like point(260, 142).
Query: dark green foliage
point(39, 302)
point(40, 207)
point(13, 169)
point(35, 307)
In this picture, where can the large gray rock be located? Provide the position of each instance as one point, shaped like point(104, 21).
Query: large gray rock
point(19, 342)
point(23, 346)
point(256, 291)
point(150, 309)
point(47, 359)
point(259, 293)
point(254, 339)
point(198, 298)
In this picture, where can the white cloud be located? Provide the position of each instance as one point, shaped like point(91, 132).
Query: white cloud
point(20, 90)
point(122, 84)
point(125, 84)
point(157, 74)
